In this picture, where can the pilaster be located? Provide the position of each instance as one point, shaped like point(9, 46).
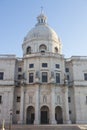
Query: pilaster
point(22, 106)
point(37, 106)
point(52, 118)
point(65, 105)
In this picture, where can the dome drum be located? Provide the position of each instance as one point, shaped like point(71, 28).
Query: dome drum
point(41, 47)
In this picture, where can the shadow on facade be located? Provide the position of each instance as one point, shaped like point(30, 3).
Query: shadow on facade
point(30, 115)
point(58, 115)
point(44, 111)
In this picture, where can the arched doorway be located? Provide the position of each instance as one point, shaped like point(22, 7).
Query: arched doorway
point(44, 115)
point(58, 115)
point(30, 115)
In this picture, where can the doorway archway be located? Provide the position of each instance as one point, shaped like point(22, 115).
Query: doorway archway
point(44, 115)
point(58, 115)
point(30, 115)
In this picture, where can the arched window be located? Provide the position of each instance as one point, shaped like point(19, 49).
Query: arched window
point(56, 50)
point(42, 48)
point(28, 50)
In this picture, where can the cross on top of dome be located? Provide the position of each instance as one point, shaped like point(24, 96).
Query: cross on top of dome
point(41, 9)
point(42, 19)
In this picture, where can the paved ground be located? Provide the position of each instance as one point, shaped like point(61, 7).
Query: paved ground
point(47, 127)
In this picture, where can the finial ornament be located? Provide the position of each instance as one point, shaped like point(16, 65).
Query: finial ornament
point(42, 19)
point(41, 9)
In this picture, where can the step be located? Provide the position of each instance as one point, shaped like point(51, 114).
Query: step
point(47, 127)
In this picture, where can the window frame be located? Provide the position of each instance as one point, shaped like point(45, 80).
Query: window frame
point(19, 69)
point(44, 77)
point(85, 76)
point(31, 65)
point(31, 77)
point(86, 99)
point(58, 78)
point(70, 112)
point(0, 99)
point(42, 48)
point(1, 75)
point(69, 99)
point(45, 65)
point(56, 49)
point(28, 50)
point(18, 99)
point(17, 112)
point(67, 70)
point(19, 76)
point(57, 66)
point(68, 77)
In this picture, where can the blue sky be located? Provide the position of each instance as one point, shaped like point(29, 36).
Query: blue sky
point(67, 17)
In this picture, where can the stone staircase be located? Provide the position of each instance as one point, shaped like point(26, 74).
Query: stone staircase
point(47, 127)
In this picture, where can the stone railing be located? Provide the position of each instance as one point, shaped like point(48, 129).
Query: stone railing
point(7, 56)
point(76, 58)
point(43, 54)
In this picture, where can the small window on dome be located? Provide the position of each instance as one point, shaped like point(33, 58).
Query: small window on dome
point(28, 50)
point(41, 20)
point(56, 50)
point(42, 48)
point(42, 51)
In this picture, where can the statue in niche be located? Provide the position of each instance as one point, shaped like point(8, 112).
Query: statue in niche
point(52, 74)
point(37, 74)
point(65, 79)
point(30, 99)
point(58, 99)
point(44, 99)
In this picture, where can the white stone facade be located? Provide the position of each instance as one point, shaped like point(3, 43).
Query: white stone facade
point(43, 87)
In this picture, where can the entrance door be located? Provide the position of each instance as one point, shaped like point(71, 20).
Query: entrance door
point(32, 118)
point(58, 115)
point(30, 115)
point(44, 119)
point(44, 115)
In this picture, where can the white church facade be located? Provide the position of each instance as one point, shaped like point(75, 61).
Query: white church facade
point(43, 87)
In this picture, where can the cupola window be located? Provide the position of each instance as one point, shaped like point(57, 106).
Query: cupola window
point(28, 50)
point(56, 50)
point(41, 20)
point(42, 48)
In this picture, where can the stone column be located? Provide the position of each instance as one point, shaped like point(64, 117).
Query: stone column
point(52, 112)
point(7, 106)
point(37, 106)
point(22, 106)
point(65, 105)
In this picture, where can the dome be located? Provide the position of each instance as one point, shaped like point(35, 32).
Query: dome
point(41, 38)
point(42, 31)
